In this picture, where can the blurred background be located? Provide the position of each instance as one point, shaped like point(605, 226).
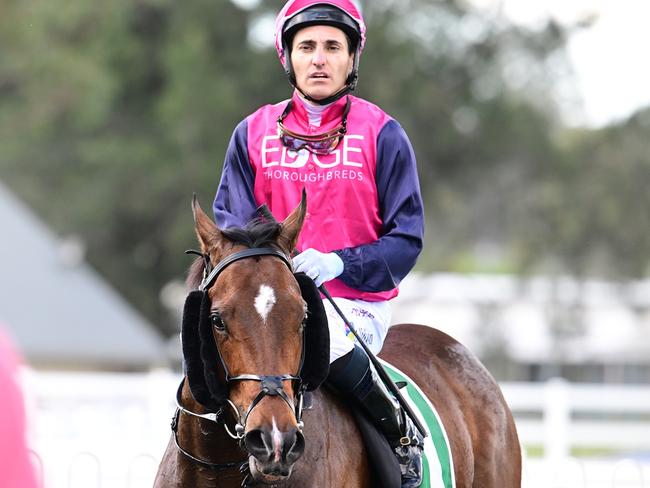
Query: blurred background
point(531, 125)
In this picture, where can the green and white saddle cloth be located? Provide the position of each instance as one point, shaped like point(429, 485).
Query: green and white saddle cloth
point(437, 462)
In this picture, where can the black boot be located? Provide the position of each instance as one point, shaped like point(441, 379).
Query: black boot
point(355, 375)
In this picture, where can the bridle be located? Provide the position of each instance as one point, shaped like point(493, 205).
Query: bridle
point(270, 385)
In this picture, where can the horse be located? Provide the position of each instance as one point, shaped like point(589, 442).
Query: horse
point(241, 419)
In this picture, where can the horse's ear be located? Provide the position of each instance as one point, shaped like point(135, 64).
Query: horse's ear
point(207, 232)
point(292, 225)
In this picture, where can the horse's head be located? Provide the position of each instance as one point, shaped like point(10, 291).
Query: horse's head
point(257, 316)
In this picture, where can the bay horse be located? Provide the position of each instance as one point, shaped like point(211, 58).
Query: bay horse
point(258, 337)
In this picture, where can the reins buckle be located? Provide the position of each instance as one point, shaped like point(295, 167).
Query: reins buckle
point(405, 441)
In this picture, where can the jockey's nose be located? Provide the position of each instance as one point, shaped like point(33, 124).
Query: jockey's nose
point(274, 450)
point(319, 56)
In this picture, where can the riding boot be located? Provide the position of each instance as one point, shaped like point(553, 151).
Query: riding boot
point(355, 375)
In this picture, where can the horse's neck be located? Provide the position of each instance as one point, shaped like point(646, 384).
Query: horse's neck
point(331, 434)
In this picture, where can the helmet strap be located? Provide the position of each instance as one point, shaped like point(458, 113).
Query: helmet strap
point(326, 101)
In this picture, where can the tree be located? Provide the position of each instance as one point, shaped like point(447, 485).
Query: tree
point(112, 115)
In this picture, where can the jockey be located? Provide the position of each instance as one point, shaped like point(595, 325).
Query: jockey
point(364, 226)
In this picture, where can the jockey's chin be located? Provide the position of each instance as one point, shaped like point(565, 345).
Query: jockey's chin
point(320, 92)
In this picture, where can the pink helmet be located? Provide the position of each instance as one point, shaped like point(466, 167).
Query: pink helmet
point(342, 14)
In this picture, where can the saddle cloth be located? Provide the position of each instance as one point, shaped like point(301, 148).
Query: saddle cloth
point(438, 468)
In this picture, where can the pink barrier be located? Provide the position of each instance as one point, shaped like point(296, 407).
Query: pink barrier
point(16, 468)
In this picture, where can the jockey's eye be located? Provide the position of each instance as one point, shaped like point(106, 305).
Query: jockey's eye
point(217, 322)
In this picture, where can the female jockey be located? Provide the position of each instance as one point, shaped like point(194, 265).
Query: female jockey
point(364, 226)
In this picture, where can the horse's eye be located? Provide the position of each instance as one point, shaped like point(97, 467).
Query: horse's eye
point(217, 321)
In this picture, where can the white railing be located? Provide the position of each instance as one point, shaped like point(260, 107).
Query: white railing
point(92, 430)
point(558, 415)
point(109, 430)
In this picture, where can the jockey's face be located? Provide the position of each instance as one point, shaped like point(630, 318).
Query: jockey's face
point(321, 60)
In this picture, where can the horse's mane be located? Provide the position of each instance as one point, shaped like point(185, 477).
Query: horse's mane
point(257, 233)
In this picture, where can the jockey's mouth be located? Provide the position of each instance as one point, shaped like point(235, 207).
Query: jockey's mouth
point(319, 75)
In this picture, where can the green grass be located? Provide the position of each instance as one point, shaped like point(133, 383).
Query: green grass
point(537, 451)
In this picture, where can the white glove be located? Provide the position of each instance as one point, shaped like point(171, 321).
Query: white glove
point(320, 267)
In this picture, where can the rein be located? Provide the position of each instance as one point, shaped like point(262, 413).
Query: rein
point(213, 417)
point(270, 385)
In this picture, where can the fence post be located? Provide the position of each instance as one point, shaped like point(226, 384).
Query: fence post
point(633, 466)
point(557, 417)
point(134, 478)
point(39, 468)
point(98, 469)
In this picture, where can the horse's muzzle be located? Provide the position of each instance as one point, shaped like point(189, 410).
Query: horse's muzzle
point(273, 453)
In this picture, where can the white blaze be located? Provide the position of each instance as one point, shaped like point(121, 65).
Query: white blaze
point(277, 442)
point(264, 301)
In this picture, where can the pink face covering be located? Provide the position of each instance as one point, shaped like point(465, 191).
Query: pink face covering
point(16, 469)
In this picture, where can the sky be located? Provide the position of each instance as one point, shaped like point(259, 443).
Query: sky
point(612, 78)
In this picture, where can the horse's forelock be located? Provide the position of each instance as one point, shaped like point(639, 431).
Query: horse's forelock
point(257, 233)
point(195, 274)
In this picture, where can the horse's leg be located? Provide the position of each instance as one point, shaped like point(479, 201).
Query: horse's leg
point(480, 427)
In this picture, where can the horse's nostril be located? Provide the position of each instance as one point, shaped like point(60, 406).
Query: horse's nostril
point(295, 450)
point(256, 445)
point(281, 449)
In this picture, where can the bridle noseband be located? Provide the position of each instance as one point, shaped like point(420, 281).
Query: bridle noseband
point(270, 385)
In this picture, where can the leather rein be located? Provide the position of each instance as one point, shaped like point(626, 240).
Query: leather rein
point(270, 385)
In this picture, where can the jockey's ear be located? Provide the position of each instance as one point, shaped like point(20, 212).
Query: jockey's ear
point(292, 225)
point(208, 234)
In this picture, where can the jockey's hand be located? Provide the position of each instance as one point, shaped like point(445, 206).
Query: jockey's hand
point(320, 267)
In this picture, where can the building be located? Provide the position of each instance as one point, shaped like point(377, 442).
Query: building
point(60, 313)
point(534, 329)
